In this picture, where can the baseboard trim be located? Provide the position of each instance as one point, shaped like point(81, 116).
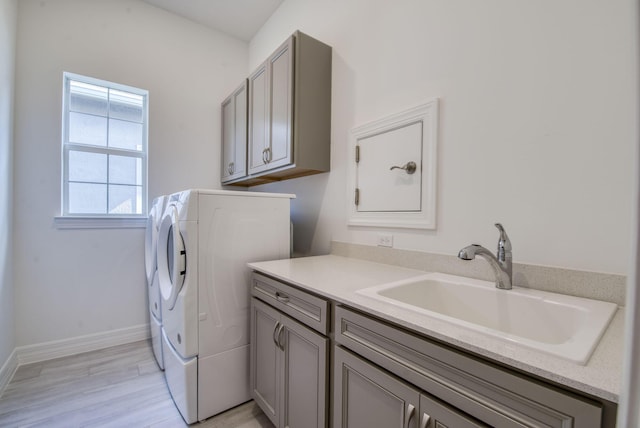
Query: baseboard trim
point(77, 345)
point(7, 370)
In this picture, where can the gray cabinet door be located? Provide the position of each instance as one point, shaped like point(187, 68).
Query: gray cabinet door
point(258, 119)
point(271, 111)
point(435, 414)
point(304, 371)
point(265, 366)
point(288, 372)
point(227, 139)
point(280, 151)
point(234, 135)
point(365, 396)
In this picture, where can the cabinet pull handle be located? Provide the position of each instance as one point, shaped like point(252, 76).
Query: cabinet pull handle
point(282, 297)
point(411, 409)
point(275, 337)
point(266, 155)
point(425, 420)
point(230, 168)
point(278, 334)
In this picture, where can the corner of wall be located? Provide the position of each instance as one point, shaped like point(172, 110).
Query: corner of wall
point(7, 371)
point(8, 31)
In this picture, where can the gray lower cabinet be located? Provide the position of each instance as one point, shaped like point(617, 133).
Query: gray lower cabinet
point(387, 376)
point(366, 396)
point(484, 391)
point(288, 373)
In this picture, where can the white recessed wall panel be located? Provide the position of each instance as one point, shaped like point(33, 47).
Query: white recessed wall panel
point(381, 188)
point(393, 170)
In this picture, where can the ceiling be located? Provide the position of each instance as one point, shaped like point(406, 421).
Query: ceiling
point(238, 18)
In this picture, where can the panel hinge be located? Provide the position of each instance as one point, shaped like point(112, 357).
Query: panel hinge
point(357, 154)
point(357, 198)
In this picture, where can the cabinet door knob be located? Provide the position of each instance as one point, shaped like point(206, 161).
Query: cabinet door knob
point(425, 420)
point(409, 167)
point(411, 409)
point(231, 168)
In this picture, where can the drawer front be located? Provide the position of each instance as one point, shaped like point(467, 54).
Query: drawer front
point(310, 310)
point(487, 392)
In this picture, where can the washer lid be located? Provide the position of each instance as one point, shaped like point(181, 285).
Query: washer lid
point(172, 258)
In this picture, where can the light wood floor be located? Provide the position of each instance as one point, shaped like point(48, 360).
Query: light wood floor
point(115, 387)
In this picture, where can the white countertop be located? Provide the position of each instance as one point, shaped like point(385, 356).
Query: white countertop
point(338, 278)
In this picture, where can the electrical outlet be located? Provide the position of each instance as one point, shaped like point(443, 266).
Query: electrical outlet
point(385, 240)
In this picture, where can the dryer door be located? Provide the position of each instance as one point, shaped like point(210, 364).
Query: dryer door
point(172, 258)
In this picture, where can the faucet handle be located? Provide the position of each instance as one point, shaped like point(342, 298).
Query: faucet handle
point(504, 243)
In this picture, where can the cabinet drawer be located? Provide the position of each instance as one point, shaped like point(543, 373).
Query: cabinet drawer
point(483, 390)
point(304, 307)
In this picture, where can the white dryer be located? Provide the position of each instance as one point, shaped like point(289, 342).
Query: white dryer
point(153, 287)
point(205, 241)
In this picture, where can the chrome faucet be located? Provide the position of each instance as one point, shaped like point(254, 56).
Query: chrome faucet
point(500, 263)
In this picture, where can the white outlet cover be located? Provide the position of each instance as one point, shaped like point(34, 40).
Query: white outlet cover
point(385, 240)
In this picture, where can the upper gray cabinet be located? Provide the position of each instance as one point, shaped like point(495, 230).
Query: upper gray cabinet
point(270, 112)
point(234, 135)
point(289, 113)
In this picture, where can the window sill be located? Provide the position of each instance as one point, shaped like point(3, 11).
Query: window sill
point(72, 222)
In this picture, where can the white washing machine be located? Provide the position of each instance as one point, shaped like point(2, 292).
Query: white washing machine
point(151, 266)
point(205, 241)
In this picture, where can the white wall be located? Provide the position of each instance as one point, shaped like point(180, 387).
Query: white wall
point(77, 282)
point(536, 125)
point(8, 19)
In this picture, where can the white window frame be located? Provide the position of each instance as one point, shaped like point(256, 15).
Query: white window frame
point(102, 220)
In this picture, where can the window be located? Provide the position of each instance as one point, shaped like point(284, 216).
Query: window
point(104, 139)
